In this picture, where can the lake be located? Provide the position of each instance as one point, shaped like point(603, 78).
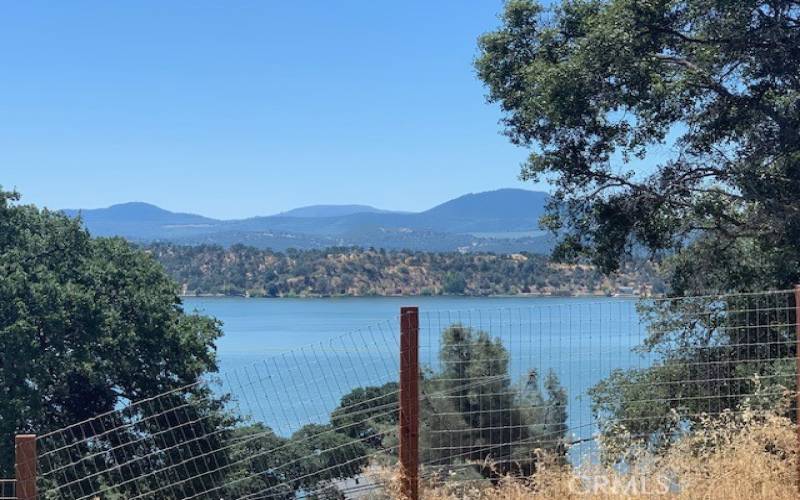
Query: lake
point(288, 361)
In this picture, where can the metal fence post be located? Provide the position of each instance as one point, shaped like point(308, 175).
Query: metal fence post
point(797, 381)
point(25, 466)
point(409, 402)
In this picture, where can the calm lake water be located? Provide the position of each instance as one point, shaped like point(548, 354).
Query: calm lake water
point(289, 361)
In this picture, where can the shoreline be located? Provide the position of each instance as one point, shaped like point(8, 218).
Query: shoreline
point(495, 296)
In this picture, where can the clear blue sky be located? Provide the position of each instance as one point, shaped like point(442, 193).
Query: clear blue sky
point(233, 109)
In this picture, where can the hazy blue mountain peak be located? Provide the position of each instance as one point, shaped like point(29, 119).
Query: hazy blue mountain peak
point(501, 220)
point(330, 211)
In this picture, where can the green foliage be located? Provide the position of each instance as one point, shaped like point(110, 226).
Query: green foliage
point(258, 448)
point(242, 270)
point(274, 467)
point(89, 324)
point(712, 353)
point(454, 283)
point(475, 414)
point(470, 412)
point(640, 404)
point(593, 87)
point(313, 458)
point(366, 413)
point(328, 454)
point(264, 465)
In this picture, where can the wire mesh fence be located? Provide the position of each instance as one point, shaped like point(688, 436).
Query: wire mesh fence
point(278, 429)
point(501, 388)
point(497, 389)
point(7, 489)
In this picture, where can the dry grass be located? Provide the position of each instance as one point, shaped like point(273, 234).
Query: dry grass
point(737, 456)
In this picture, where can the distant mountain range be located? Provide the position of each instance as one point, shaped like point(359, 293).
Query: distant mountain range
point(500, 221)
point(332, 211)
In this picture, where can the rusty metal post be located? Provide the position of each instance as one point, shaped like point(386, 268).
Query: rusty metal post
point(25, 466)
point(409, 402)
point(797, 380)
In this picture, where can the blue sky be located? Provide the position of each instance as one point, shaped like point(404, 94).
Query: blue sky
point(233, 109)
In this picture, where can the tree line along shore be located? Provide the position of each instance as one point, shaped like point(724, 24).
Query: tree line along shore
point(208, 270)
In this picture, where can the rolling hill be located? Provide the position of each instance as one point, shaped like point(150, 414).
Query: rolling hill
point(330, 211)
point(499, 221)
point(140, 221)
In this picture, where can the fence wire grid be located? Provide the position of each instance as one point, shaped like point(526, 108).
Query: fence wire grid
point(7, 489)
point(497, 388)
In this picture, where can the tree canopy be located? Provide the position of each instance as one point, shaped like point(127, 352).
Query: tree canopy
point(669, 125)
point(474, 413)
point(475, 420)
point(87, 325)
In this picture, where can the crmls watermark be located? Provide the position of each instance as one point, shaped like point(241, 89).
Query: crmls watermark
point(625, 485)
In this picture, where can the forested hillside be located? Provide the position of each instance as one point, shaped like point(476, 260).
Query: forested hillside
point(241, 270)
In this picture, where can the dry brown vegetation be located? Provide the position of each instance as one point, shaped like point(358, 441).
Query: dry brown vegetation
point(240, 270)
point(743, 455)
